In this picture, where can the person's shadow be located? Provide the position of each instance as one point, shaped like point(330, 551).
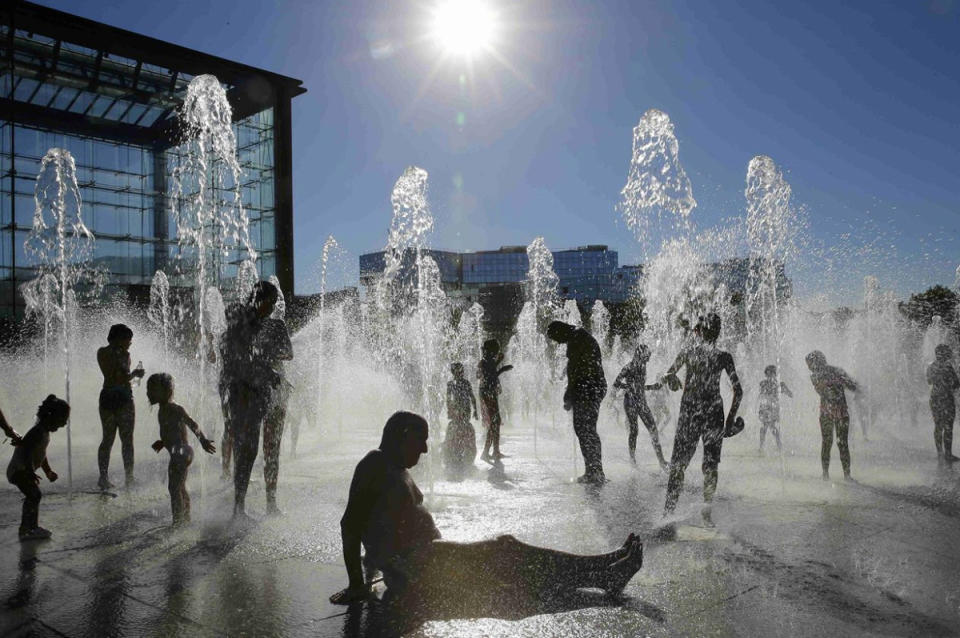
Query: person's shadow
point(401, 614)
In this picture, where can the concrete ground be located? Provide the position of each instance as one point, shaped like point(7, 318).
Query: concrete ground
point(790, 555)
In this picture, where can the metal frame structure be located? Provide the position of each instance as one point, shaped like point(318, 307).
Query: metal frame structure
point(72, 75)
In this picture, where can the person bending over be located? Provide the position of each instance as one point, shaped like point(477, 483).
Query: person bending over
point(632, 380)
point(943, 384)
point(386, 516)
point(31, 454)
point(586, 387)
point(701, 410)
point(830, 382)
point(174, 422)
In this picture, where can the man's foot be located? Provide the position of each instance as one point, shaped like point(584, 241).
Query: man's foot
point(131, 483)
point(500, 455)
point(272, 509)
point(825, 477)
point(706, 514)
point(592, 479)
point(848, 478)
point(104, 483)
point(35, 534)
point(950, 458)
point(619, 573)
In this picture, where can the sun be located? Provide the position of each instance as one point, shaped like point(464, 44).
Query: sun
point(464, 27)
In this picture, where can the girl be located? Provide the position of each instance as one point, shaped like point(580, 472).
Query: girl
point(632, 379)
point(174, 422)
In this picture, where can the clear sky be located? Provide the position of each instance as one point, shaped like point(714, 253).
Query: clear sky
point(856, 101)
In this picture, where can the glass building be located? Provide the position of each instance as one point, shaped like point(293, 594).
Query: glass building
point(111, 97)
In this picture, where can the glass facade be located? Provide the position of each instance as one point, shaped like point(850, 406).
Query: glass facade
point(114, 107)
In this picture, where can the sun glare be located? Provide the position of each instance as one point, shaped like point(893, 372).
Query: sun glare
point(464, 27)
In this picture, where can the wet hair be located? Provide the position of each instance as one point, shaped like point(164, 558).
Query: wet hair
point(263, 291)
point(53, 409)
point(708, 327)
point(560, 331)
point(491, 348)
point(396, 429)
point(643, 351)
point(456, 369)
point(943, 352)
point(770, 370)
point(160, 381)
point(119, 332)
point(816, 359)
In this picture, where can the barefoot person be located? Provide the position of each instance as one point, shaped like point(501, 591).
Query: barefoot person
point(247, 384)
point(586, 387)
point(830, 382)
point(488, 372)
point(701, 410)
point(274, 344)
point(943, 384)
point(460, 445)
point(116, 402)
point(31, 454)
point(769, 409)
point(174, 422)
point(632, 380)
point(386, 516)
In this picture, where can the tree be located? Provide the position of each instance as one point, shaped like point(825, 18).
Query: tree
point(924, 306)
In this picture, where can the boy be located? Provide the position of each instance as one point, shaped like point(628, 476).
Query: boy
point(30, 454)
point(830, 382)
point(769, 414)
point(460, 446)
point(174, 422)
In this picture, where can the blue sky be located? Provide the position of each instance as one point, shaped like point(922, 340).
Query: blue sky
point(858, 104)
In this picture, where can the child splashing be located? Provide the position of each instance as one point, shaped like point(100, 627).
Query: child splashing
point(174, 422)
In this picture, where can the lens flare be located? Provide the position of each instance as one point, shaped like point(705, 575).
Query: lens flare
point(464, 27)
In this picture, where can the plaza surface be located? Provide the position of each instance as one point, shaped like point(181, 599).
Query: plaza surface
point(790, 555)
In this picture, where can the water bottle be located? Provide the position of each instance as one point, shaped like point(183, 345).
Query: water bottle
point(136, 380)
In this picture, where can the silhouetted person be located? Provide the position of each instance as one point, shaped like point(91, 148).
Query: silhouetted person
point(460, 445)
point(31, 454)
point(488, 374)
point(632, 380)
point(174, 422)
point(8, 430)
point(116, 402)
point(769, 410)
point(247, 383)
point(831, 382)
point(943, 384)
point(274, 344)
point(586, 387)
point(385, 514)
point(701, 410)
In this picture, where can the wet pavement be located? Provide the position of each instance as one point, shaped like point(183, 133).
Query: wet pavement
point(790, 555)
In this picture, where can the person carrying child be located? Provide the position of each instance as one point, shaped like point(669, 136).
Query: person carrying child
point(488, 372)
point(30, 454)
point(174, 422)
point(769, 411)
point(460, 445)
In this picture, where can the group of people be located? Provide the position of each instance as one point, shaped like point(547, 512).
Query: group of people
point(385, 514)
point(253, 395)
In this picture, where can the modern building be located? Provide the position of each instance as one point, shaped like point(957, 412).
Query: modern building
point(111, 97)
point(586, 273)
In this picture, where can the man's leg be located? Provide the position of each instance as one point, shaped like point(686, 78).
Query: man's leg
point(684, 446)
point(247, 415)
point(226, 442)
point(843, 430)
point(949, 418)
point(585, 414)
point(826, 443)
point(763, 432)
point(126, 418)
point(632, 436)
point(108, 422)
point(775, 429)
point(272, 435)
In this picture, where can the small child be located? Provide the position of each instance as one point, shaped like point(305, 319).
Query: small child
point(30, 454)
point(488, 372)
point(943, 383)
point(174, 422)
point(770, 392)
point(633, 381)
point(460, 446)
